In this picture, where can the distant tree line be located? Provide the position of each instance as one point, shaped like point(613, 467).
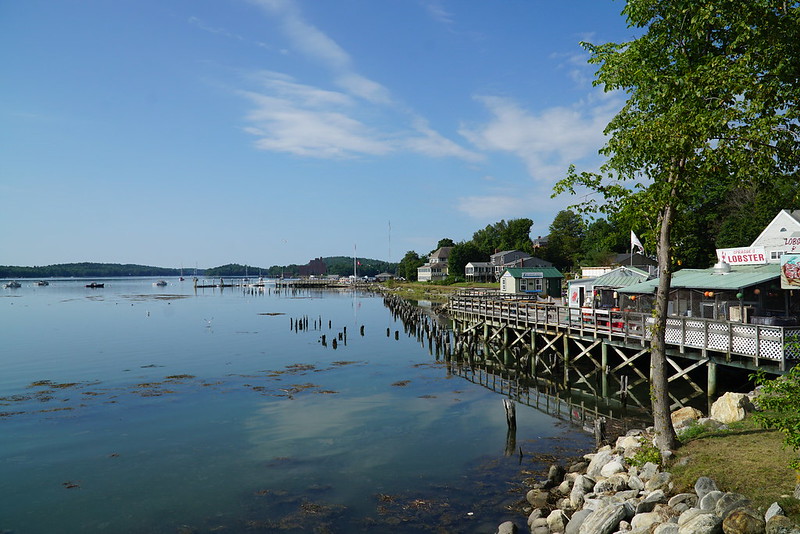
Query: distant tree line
point(335, 265)
point(85, 270)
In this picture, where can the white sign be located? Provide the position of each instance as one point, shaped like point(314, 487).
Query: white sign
point(537, 274)
point(742, 256)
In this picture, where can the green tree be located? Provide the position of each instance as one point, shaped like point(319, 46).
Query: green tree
point(502, 235)
point(712, 89)
point(565, 239)
point(444, 242)
point(407, 268)
point(516, 235)
point(779, 400)
point(600, 243)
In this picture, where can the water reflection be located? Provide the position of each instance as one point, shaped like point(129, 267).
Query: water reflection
point(146, 410)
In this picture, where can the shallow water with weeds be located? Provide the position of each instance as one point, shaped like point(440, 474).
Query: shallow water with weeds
point(136, 408)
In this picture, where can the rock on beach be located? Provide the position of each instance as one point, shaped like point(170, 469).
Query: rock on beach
point(607, 495)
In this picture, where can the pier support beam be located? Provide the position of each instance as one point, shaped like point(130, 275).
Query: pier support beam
point(712, 379)
point(604, 369)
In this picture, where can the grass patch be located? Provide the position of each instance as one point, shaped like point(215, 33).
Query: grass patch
point(743, 458)
point(433, 292)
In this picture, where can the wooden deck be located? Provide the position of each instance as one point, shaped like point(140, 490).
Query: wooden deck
point(773, 348)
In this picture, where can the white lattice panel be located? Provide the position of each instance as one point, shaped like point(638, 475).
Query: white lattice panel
point(744, 340)
point(695, 335)
point(673, 332)
point(792, 338)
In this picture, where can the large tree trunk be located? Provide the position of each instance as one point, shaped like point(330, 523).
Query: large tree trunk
point(659, 386)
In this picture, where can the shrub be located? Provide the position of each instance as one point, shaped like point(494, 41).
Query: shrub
point(647, 453)
point(780, 401)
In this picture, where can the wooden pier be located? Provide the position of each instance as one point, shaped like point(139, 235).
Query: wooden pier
point(616, 343)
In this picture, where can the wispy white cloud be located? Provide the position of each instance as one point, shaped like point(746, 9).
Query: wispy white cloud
point(437, 11)
point(304, 125)
point(198, 23)
point(495, 206)
point(358, 118)
point(547, 141)
point(429, 142)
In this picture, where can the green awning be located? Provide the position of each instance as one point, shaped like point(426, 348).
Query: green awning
point(739, 277)
point(621, 277)
point(547, 272)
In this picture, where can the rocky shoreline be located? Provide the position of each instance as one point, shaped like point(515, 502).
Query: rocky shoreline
point(614, 490)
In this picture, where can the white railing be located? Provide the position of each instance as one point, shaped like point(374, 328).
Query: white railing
point(775, 343)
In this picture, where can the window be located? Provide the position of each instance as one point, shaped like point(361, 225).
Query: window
point(531, 284)
point(775, 254)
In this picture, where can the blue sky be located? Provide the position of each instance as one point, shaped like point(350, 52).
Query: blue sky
point(270, 132)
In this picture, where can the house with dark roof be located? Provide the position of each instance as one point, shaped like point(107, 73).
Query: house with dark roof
point(506, 259)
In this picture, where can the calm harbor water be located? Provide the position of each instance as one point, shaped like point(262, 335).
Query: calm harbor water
point(136, 408)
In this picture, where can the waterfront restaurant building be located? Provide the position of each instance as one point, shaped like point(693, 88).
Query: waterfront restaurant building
point(740, 293)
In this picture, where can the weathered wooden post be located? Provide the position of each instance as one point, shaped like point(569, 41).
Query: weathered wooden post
point(599, 432)
point(511, 433)
point(511, 413)
point(566, 360)
point(604, 368)
point(623, 390)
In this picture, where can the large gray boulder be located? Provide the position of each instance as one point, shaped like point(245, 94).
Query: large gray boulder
point(709, 501)
point(557, 521)
point(701, 523)
point(729, 502)
point(575, 522)
point(646, 520)
point(703, 486)
point(666, 528)
point(600, 459)
point(507, 528)
point(659, 481)
point(603, 521)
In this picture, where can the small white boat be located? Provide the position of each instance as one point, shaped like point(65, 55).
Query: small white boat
point(42, 283)
point(160, 283)
point(12, 285)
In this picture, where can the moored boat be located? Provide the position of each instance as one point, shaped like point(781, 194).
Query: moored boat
point(13, 284)
point(160, 283)
point(42, 283)
point(95, 285)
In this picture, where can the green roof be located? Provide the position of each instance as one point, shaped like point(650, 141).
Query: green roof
point(621, 277)
point(547, 272)
point(739, 277)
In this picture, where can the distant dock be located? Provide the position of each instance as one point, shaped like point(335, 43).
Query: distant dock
point(232, 282)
